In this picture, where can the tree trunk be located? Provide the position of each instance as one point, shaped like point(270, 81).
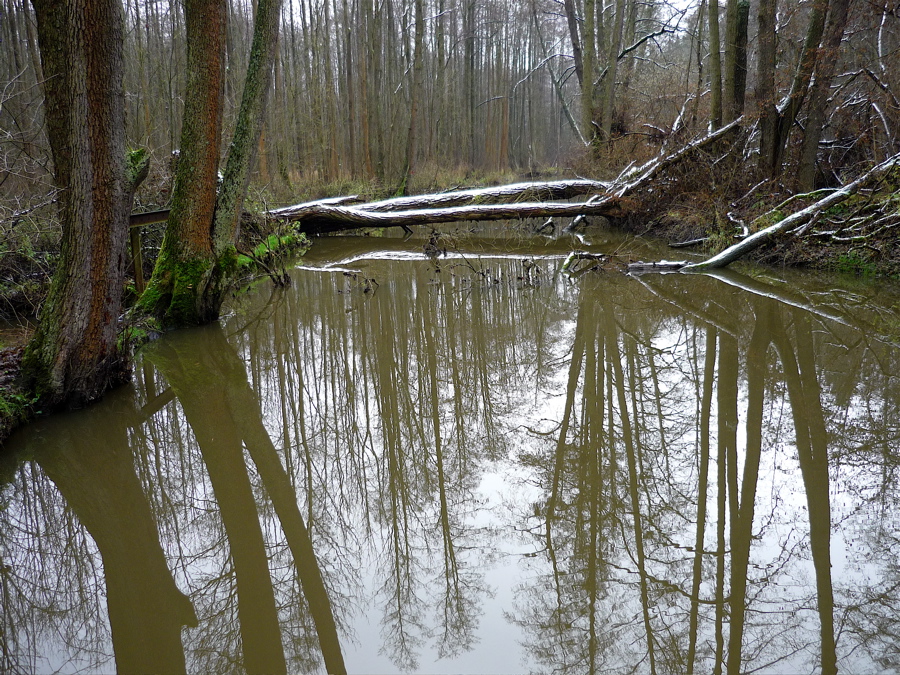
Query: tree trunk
point(818, 99)
point(572, 22)
point(588, 58)
point(188, 285)
point(715, 67)
point(612, 62)
point(74, 356)
point(735, 77)
point(469, 78)
point(248, 130)
point(788, 111)
point(418, 85)
point(765, 85)
point(557, 86)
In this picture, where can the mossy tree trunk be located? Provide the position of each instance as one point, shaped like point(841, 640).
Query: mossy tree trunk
point(197, 261)
point(190, 279)
point(73, 357)
point(249, 126)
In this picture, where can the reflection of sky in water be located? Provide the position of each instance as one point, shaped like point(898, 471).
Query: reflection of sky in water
point(367, 378)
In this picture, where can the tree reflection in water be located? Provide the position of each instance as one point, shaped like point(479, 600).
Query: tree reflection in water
point(674, 474)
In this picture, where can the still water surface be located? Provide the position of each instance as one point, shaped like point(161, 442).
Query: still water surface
point(478, 464)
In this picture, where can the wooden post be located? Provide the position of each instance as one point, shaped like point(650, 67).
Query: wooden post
point(136, 221)
point(137, 258)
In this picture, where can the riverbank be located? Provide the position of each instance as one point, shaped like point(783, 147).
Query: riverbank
point(715, 209)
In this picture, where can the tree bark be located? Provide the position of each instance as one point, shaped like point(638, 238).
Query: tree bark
point(765, 85)
point(188, 285)
point(818, 99)
point(735, 76)
point(248, 130)
point(74, 356)
point(715, 67)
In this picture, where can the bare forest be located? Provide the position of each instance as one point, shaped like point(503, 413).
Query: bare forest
point(364, 89)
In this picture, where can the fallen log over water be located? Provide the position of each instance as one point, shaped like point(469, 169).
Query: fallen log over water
point(504, 194)
point(326, 218)
point(608, 199)
point(514, 201)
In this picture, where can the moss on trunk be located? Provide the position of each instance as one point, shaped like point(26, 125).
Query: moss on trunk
point(188, 291)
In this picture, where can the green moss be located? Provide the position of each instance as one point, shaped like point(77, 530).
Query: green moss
point(135, 159)
point(767, 220)
point(175, 290)
point(15, 409)
point(145, 329)
point(137, 166)
point(277, 243)
point(152, 298)
point(34, 375)
point(856, 264)
point(188, 281)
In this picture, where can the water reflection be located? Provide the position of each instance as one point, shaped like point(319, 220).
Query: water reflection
point(472, 469)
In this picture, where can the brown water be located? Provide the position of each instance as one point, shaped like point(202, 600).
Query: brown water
point(475, 465)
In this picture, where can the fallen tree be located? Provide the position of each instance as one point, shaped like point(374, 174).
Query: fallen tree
point(516, 192)
point(798, 222)
point(326, 218)
point(514, 201)
point(606, 199)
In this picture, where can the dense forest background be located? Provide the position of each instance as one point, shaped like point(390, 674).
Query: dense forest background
point(368, 89)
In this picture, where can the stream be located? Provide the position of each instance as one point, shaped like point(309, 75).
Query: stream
point(451, 455)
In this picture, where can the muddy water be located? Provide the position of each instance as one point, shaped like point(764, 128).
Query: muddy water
point(475, 464)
